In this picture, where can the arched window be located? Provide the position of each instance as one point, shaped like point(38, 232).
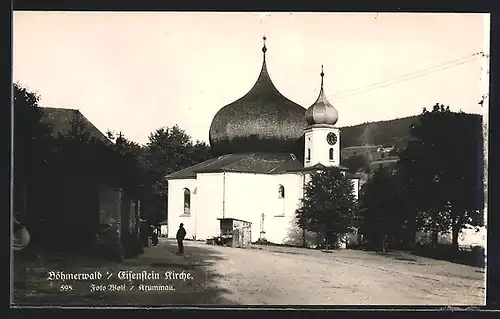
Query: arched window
point(331, 154)
point(308, 154)
point(281, 191)
point(187, 201)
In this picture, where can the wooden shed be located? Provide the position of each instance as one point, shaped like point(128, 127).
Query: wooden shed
point(235, 232)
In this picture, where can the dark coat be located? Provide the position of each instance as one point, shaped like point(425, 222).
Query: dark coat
point(181, 233)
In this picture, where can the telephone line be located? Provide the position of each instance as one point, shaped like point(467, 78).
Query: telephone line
point(402, 80)
point(408, 76)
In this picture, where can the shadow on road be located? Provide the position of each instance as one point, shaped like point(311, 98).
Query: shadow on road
point(203, 289)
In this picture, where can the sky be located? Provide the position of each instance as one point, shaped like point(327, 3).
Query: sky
point(137, 72)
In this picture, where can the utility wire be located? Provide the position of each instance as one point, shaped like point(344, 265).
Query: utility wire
point(402, 80)
point(409, 76)
point(412, 73)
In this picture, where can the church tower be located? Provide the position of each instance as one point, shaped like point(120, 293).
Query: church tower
point(322, 138)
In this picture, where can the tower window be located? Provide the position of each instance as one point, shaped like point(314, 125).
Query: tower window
point(308, 154)
point(187, 201)
point(330, 154)
point(281, 191)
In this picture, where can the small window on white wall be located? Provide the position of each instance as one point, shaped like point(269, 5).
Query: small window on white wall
point(281, 191)
point(330, 154)
point(281, 195)
point(308, 154)
point(187, 201)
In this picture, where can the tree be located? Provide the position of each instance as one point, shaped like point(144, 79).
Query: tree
point(32, 148)
point(168, 150)
point(382, 211)
point(356, 163)
point(131, 171)
point(443, 171)
point(329, 206)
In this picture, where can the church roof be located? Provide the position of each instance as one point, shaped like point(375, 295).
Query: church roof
point(256, 163)
point(322, 111)
point(264, 115)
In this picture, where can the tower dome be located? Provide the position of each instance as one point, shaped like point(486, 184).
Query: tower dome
point(263, 120)
point(322, 112)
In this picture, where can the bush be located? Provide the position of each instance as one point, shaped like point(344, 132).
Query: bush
point(330, 246)
point(478, 255)
point(473, 257)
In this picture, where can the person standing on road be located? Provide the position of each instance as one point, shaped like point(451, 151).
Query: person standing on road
point(155, 236)
point(181, 234)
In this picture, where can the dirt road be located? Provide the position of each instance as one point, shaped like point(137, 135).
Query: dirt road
point(271, 276)
point(279, 276)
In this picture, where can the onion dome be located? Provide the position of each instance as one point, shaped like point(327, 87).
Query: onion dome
point(322, 112)
point(263, 120)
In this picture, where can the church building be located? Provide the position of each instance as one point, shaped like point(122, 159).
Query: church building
point(267, 146)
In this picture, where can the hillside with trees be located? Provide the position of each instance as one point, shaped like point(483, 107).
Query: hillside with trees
point(393, 132)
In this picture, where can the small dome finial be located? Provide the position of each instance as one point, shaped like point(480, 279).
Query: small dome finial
point(264, 48)
point(322, 76)
point(322, 112)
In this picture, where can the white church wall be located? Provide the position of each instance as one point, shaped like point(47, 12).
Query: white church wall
point(236, 195)
point(248, 196)
point(283, 221)
point(211, 206)
point(175, 207)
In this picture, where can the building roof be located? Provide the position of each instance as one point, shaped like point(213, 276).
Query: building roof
point(255, 163)
point(61, 121)
point(322, 111)
point(264, 115)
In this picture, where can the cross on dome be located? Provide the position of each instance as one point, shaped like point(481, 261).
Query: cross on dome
point(322, 76)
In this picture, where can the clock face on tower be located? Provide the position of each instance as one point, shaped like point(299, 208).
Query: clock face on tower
point(331, 138)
